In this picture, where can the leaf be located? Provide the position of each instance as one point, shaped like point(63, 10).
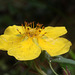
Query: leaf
point(72, 54)
point(61, 59)
point(64, 71)
point(67, 71)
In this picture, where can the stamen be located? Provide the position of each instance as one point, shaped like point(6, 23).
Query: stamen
point(30, 31)
point(40, 25)
point(39, 30)
point(30, 24)
point(22, 25)
point(43, 27)
point(35, 34)
point(18, 31)
point(25, 24)
point(27, 28)
point(44, 33)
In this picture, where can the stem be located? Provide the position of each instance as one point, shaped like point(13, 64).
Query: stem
point(52, 68)
point(65, 72)
point(39, 70)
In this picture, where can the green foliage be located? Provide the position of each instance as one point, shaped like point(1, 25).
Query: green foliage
point(71, 68)
point(72, 54)
point(61, 59)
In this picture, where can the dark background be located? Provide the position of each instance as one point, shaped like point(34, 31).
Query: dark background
point(47, 12)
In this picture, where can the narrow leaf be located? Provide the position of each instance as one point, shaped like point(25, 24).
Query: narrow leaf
point(61, 59)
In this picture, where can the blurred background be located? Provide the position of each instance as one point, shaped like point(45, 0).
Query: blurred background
point(46, 12)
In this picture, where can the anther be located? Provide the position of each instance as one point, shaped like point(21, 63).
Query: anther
point(29, 33)
point(25, 23)
point(27, 28)
point(35, 34)
point(39, 30)
point(30, 24)
point(18, 31)
point(44, 33)
point(40, 25)
point(22, 26)
point(43, 27)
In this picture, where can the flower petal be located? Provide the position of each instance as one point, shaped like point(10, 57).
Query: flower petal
point(56, 47)
point(12, 30)
point(54, 32)
point(47, 29)
point(7, 41)
point(26, 50)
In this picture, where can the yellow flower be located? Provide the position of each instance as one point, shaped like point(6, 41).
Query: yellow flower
point(27, 42)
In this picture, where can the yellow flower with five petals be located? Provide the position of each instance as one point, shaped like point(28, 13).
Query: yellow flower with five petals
point(27, 42)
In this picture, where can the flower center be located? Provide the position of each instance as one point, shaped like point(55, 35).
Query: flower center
point(31, 31)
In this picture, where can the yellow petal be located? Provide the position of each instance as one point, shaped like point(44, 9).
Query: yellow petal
point(47, 29)
point(7, 41)
point(54, 32)
point(43, 44)
point(12, 30)
point(26, 50)
point(56, 47)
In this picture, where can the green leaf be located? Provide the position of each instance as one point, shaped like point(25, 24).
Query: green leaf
point(69, 68)
point(72, 54)
point(61, 59)
point(65, 71)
